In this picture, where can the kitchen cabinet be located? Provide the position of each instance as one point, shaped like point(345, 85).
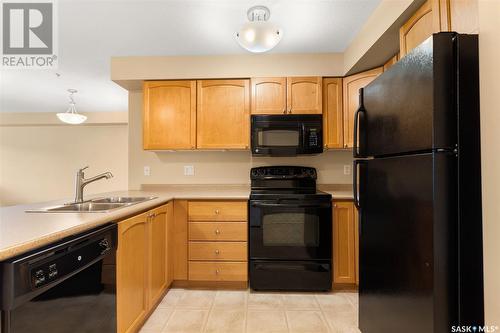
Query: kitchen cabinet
point(158, 253)
point(268, 95)
point(223, 114)
point(345, 243)
point(169, 115)
point(351, 86)
point(333, 120)
point(217, 241)
point(435, 16)
point(143, 266)
point(290, 95)
point(132, 273)
point(391, 62)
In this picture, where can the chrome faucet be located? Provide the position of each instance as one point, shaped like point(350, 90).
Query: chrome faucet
point(81, 182)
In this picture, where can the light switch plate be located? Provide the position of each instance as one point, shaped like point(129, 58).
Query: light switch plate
point(347, 169)
point(189, 170)
point(147, 171)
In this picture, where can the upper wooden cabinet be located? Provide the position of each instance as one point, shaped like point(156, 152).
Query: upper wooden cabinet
point(351, 85)
point(333, 132)
point(438, 15)
point(223, 114)
point(304, 94)
point(391, 62)
point(280, 95)
point(268, 95)
point(169, 115)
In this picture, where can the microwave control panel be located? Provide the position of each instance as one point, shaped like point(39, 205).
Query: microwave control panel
point(313, 138)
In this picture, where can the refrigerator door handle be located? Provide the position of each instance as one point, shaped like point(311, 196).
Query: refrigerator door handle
point(357, 201)
point(360, 109)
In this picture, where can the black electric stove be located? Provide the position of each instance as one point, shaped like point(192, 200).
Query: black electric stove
point(290, 230)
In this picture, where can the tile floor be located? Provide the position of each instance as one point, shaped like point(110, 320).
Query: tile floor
point(210, 311)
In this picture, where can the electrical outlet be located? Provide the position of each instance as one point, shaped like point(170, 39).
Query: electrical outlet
point(347, 169)
point(147, 171)
point(188, 170)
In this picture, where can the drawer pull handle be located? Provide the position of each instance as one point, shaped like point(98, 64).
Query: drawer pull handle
point(217, 232)
point(217, 271)
point(217, 211)
point(217, 252)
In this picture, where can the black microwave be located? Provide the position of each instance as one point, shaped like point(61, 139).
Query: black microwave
point(287, 135)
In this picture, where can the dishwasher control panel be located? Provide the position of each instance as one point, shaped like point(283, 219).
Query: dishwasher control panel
point(67, 262)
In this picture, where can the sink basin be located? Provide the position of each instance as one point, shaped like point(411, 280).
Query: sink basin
point(100, 205)
point(86, 207)
point(122, 200)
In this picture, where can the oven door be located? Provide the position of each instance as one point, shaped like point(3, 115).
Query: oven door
point(290, 230)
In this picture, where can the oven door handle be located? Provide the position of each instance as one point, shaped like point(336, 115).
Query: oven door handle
point(292, 205)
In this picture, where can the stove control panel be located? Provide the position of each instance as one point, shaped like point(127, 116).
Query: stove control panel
point(283, 172)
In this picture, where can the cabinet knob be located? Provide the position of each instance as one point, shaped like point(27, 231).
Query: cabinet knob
point(284, 111)
point(217, 211)
point(217, 231)
point(334, 205)
point(217, 252)
point(290, 111)
point(217, 271)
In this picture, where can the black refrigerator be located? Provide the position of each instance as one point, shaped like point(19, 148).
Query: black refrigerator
point(417, 183)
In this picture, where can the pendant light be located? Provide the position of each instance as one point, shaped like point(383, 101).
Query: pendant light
point(71, 116)
point(259, 35)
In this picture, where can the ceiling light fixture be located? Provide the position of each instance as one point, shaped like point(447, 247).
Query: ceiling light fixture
point(259, 35)
point(71, 116)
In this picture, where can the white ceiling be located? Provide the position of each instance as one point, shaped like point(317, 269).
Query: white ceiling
point(90, 32)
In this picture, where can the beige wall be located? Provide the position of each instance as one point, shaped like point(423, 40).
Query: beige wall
point(130, 71)
point(39, 162)
point(231, 167)
point(489, 54)
point(381, 19)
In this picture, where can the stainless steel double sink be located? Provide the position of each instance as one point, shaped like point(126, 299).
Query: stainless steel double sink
point(99, 205)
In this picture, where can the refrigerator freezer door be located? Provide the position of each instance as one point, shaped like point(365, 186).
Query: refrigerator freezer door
point(412, 107)
point(408, 264)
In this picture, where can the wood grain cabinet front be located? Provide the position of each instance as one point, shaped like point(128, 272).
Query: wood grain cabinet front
point(223, 114)
point(218, 271)
point(333, 119)
point(287, 95)
point(217, 210)
point(218, 231)
point(144, 265)
point(169, 115)
point(132, 273)
point(345, 243)
point(351, 86)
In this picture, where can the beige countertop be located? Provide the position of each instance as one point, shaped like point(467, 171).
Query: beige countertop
point(21, 231)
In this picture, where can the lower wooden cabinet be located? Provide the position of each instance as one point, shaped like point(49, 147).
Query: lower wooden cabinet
point(144, 261)
point(345, 244)
point(217, 241)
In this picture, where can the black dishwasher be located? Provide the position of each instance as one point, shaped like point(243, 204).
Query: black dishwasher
point(65, 287)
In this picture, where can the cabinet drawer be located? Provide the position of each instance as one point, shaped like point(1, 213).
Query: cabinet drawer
point(217, 210)
point(218, 251)
point(217, 271)
point(216, 231)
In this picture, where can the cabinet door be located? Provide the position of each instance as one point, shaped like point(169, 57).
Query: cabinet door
point(268, 95)
point(304, 95)
point(180, 239)
point(391, 62)
point(464, 17)
point(169, 115)
point(333, 136)
point(170, 243)
point(158, 254)
point(418, 28)
point(351, 85)
point(223, 114)
point(132, 273)
point(344, 247)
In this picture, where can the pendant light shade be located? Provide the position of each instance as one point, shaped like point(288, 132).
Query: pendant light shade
point(259, 35)
point(71, 116)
